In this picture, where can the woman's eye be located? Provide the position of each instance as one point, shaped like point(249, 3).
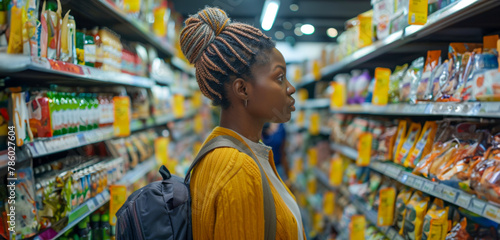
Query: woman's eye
point(281, 78)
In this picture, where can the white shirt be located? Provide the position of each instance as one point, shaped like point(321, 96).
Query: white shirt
point(262, 152)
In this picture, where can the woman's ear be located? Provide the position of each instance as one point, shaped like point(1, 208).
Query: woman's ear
point(240, 88)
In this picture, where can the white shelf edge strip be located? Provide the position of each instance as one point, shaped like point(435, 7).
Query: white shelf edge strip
point(138, 172)
point(447, 193)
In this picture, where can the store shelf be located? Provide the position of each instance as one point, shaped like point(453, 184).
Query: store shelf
point(323, 179)
point(103, 12)
point(314, 104)
point(77, 215)
point(439, 190)
point(371, 216)
point(182, 65)
point(465, 109)
point(91, 205)
point(436, 22)
point(43, 147)
point(37, 70)
point(138, 172)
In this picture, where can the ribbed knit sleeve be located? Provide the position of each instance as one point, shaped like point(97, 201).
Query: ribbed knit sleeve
point(240, 207)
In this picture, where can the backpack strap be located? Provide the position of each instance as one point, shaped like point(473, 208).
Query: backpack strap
point(269, 207)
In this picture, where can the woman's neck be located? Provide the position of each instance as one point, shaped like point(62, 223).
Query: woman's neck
point(242, 123)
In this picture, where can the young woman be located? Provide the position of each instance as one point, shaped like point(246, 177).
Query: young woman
point(240, 70)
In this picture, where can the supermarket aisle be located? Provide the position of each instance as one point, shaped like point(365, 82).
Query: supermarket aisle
point(396, 133)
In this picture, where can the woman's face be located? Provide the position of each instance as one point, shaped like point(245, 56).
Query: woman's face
point(271, 96)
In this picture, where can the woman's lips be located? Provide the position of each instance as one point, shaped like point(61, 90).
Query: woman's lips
point(292, 106)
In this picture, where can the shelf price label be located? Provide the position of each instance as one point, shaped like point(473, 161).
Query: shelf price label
point(449, 194)
point(492, 212)
point(118, 198)
point(428, 187)
point(477, 206)
point(364, 149)
point(464, 200)
point(121, 125)
point(381, 88)
point(336, 171)
point(357, 227)
point(65, 67)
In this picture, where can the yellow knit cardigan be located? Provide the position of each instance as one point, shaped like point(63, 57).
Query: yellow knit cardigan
point(227, 201)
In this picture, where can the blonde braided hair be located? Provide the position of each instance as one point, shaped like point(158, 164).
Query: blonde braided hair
point(220, 49)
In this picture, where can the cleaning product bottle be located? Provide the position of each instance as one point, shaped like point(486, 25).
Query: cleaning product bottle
point(105, 227)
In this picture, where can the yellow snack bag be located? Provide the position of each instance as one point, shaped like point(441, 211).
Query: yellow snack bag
point(414, 216)
point(424, 144)
point(436, 221)
point(385, 216)
point(400, 137)
point(400, 209)
point(409, 143)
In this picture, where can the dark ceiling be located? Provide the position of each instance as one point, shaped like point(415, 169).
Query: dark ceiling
point(322, 14)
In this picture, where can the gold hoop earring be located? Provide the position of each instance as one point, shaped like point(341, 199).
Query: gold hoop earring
point(246, 103)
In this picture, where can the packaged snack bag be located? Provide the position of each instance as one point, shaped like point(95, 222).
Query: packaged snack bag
point(424, 144)
point(400, 137)
point(408, 143)
point(394, 81)
point(431, 63)
point(399, 19)
point(436, 221)
point(413, 75)
point(385, 205)
point(382, 14)
point(439, 77)
point(414, 216)
point(457, 53)
point(400, 209)
point(483, 79)
point(39, 114)
point(440, 161)
point(459, 231)
point(386, 144)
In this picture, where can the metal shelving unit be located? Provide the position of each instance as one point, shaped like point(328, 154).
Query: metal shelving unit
point(436, 22)
point(439, 190)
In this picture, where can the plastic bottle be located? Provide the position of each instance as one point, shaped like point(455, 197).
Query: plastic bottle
point(80, 47)
point(54, 115)
point(63, 111)
point(73, 112)
point(111, 110)
point(88, 111)
point(95, 111)
point(90, 51)
point(94, 224)
point(105, 227)
point(83, 230)
point(82, 109)
point(98, 47)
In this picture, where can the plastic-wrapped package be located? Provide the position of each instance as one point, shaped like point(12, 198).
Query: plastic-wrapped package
point(432, 62)
point(386, 143)
point(360, 86)
point(408, 143)
point(400, 209)
point(459, 231)
point(436, 221)
point(400, 137)
point(412, 76)
point(484, 80)
point(394, 81)
point(414, 217)
point(423, 145)
point(382, 14)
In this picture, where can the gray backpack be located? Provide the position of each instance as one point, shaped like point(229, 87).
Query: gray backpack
point(162, 210)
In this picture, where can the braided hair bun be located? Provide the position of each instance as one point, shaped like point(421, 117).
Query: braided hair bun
point(220, 49)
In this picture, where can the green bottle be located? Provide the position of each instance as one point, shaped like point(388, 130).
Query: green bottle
point(95, 111)
point(82, 109)
point(73, 112)
point(105, 227)
point(55, 116)
point(83, 230)
point(64, 113)
point(94, 224)
point(88, 110)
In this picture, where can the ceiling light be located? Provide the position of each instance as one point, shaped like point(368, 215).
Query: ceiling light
point(287, 25)
point(297, 31)
point(269, 14)
point(294, 7)
point(279, 35)
point(332, 32)
point(307, 29)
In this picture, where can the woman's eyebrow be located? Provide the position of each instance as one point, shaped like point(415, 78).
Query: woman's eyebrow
point(280, 66)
